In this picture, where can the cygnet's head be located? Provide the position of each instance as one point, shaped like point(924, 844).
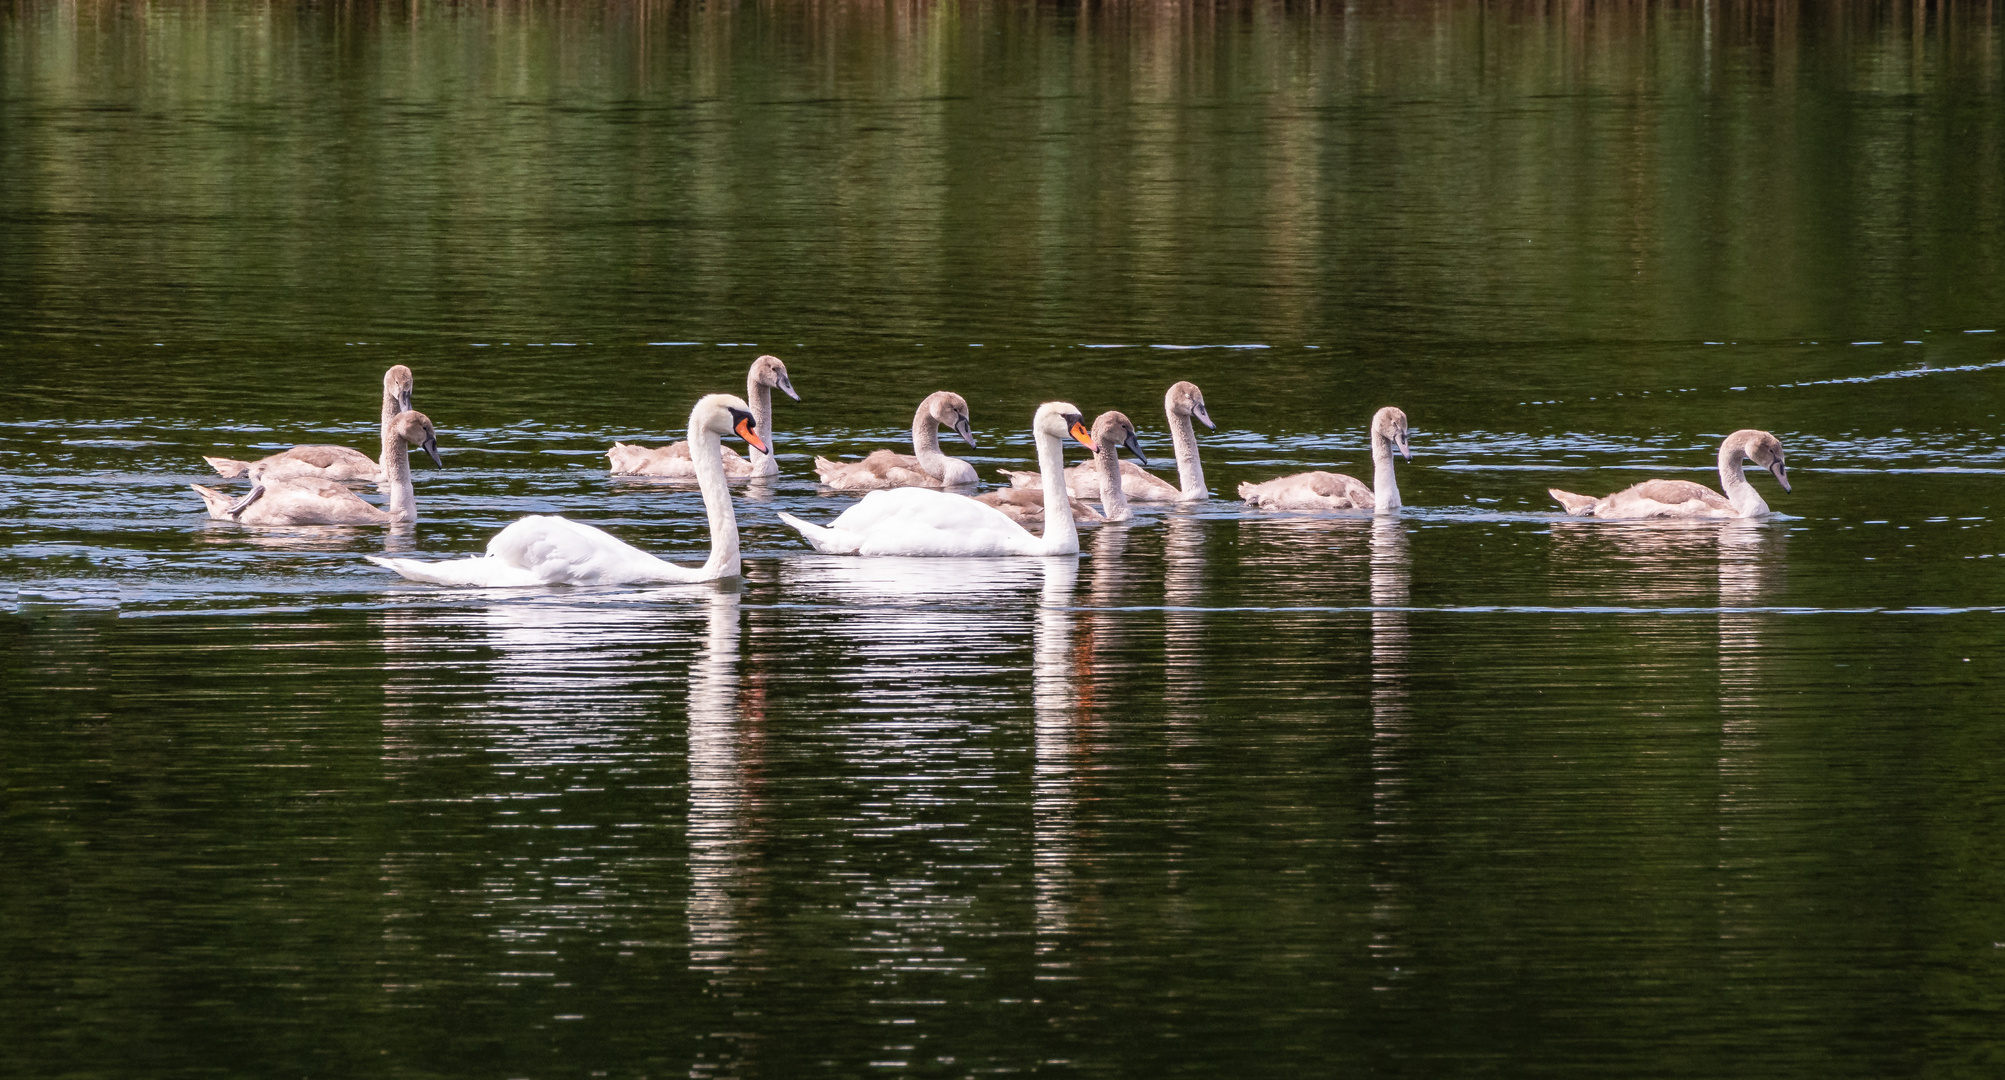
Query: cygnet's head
point(1061, 418)
point(415, 428)
point(949, 409)
point(726, 414)
point(397, 385)
point(1185, 399)
point(1114, 429)
point(1389, 426)
point(768, 370)
point(1764, 450)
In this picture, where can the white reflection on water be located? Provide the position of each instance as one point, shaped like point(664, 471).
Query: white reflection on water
point(724, 759)
point(1391, 591)
point(1054, 798)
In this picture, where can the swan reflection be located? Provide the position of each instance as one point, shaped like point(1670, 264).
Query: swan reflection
point(724, 761)
point(1054, 796)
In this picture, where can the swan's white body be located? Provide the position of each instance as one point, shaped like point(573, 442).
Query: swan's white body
point(1335, 491)
point(926, 466)
point(541, 550)
point(289, 498)
point(1181, 404)
point(766, 374)
point(322, 461)
point(1684, 499)
point(923, 521)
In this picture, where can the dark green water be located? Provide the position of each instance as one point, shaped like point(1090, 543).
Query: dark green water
point(1480, 791)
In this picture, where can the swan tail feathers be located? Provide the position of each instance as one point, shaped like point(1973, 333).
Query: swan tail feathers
point(229, 467)
point(1021, 477)
point(217, 502)
point(1578, 505)
point(825, 468)
point(823, 539)
point(625, 459)
point(1250, 492)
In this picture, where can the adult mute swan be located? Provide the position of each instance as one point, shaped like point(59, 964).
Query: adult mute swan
point(766, 375)
point(323, 461)
point(1111, 432)
point(921, 521)
point(1684, 499)
point(1335, 491)
point(1183, 403)
point(925, 467)
point(280, 499)
point(540, 550)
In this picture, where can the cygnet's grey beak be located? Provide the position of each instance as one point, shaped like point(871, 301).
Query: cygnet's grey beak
point(787, 388)
point(431, 449)
point(1781, 477)
point(1134, 446)
point(966, 432)
point(1404, 450)
point(403, 401)
point(1203, 417)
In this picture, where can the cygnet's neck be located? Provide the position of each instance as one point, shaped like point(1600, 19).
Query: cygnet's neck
point(1190, 471)
point(1061, 533)
point(706, 451)
point(1384, 485)
point(396, 465)
point(1747, 502)
point(926, 444)
point(1113, 497)
point(761, 397)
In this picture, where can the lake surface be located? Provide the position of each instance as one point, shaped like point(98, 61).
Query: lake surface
point(1480, 790)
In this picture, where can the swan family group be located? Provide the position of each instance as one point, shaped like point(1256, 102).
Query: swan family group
point(910, 507)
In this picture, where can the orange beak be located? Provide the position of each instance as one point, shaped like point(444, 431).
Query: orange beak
point(750, 434)
point(1085, 437)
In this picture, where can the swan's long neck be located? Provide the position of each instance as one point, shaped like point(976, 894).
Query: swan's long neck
point(926, 444)
point(1190, 471)
point(761, 397)
point(396, 464)
point(1113, 497)
point(1061, 533)
point(707, 452)
point(1384, 485)
point(1747, 502)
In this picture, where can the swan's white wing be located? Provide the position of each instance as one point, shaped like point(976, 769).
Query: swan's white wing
point(560, 551)
point(923, 521)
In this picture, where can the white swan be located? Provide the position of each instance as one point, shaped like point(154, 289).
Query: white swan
point(1181, 404)
point(922, 521)
point(541, 550)
point(1684, 499)
point(1111, 432)
point(295, 499)
point(925, 467)
point(1336, 491)
point(767, 374)
point(323, 461)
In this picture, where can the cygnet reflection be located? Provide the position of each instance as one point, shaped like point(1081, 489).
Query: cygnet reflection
point(1750, 559)
point(1184, 658)
point(1391, 723)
